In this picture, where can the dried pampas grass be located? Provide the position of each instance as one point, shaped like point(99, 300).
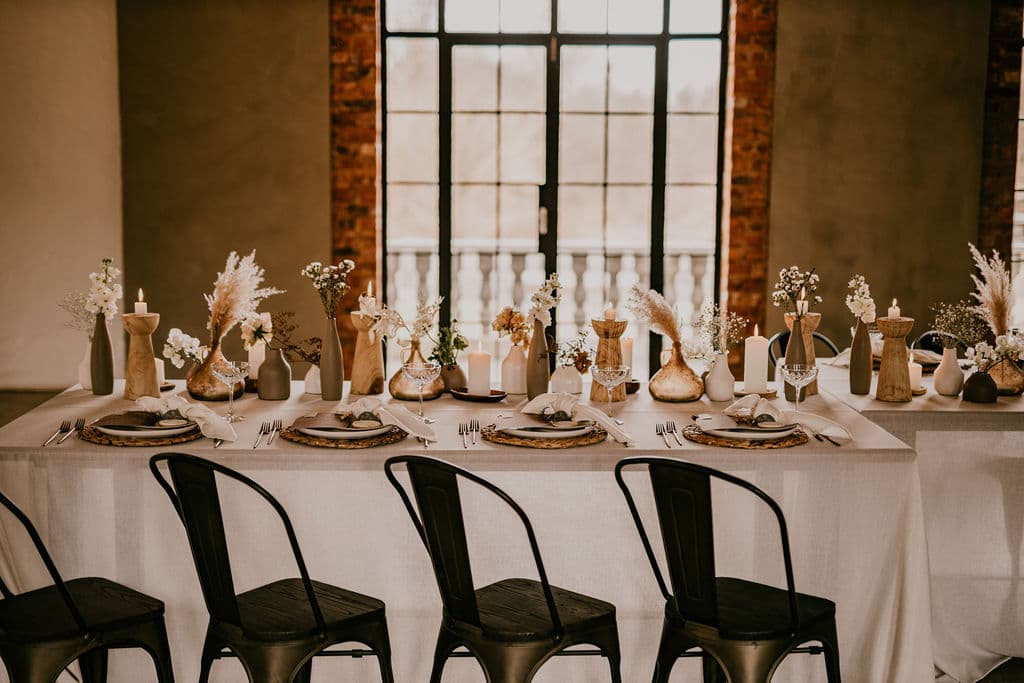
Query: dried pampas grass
point(650, 308)
point(993, 290)
point(236, 294)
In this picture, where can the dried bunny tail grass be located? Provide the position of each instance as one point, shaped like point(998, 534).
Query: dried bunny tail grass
point(651, 308)
point(236, 294)
point(993, 290)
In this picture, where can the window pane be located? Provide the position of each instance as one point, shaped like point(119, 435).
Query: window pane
point(629, 216)
point(580, 215)
point(474, 78)
point(630, 156)
point(412, 214)
point(412, 147)
point(1020, 155)
point(692, 149)
point(631, 79)
point(693, 75)
point(689, 217)
point(634, 16)
point(523, 78)
point(584, 74)
point(525, 16)
point(471, 16)
point(412, 15)
point(474, 145)
point(583, 16)
point(412, 74)
point(522, 148)
point(473, 211)
point(581, 148)
point(695, 16)
point(519, 211)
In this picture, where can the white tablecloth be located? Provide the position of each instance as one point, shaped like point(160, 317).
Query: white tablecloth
point(972, 477)
point(854, 513)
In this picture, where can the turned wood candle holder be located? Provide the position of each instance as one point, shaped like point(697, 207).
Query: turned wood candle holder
point(894, 373)
point(609, 354)
point(368, 359)
point(140, 377)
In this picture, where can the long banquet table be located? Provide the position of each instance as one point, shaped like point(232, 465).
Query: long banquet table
point(854, 513)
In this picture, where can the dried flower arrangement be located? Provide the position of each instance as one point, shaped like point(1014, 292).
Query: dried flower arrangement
point(650, 308)
point(510, 322)
point(796, 285)
point(859, 300)
point(959, 323)
point(577, 353)
point(718, 330)
point(236, 294)
point(330, 282)
point(427, 312)
point(993, 290)
point(307, 350)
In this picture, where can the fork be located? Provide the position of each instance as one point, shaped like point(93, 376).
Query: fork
point(64, 427)
point(670, 427)
point(79, 426)
point(264, 430)
point(659, 429)
point(463, 428)
point(474, 428)
point(274, 429)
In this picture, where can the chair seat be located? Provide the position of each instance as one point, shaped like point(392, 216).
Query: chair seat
point(281, 611)
point(754, 611)
point(42, 615)
point(515, 610)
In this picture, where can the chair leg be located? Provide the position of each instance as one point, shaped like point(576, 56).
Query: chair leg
point(607, 641)
point(673, 644)
point(446, 642)
point(830, 642)
point(211, 647)
point(34, 664)
point(153, 638)
point(376, 636)
point(512, 663)
point(712, 672)
point(93, 665)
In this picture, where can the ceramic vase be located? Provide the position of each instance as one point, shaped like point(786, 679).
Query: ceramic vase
point(453, 377)
point(332, 367)
point(1008, 377)
point(796, 352)
point(311, 382)
point(861, 361)
point(85, 368)
point(538, 372)
point(368, 359)
point(720, 384)
point(980, 388)
point(274, 382)
point(405, 389)
point(513, 371)
point(101, 359)
point(566, 380)
point(675, 382)
point(809, 323)
point(202, 384)
point(949, 378)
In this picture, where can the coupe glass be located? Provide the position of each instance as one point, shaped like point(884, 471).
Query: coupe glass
point(609, 378)
point(231, 373)
point(799, 376)
point(422, 373)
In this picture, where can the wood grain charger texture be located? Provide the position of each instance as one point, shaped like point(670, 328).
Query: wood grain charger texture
point(295, 436)
point(697, 435)
point(93, 435)
point(494, 435)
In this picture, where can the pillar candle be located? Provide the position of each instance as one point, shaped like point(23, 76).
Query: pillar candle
point(141, 308)
point(257, 354)
point(915, 375)
point(894, 310)
point(161, 371)
point(609, 312)
point(479, 372)
point(755, 363)
point(627, 351)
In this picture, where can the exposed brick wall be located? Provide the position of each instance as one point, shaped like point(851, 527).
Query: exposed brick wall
point(355, 142)
point(999, 145)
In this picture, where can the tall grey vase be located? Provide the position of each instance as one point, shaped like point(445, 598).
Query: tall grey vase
point(796, 354)
point(101, 359)
point(860, 360)
point(275, 378)
point(538, 372)
point(332, 367)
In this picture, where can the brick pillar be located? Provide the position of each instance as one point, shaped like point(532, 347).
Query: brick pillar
point(355, 141)
point(999, 143)
point(750, 94)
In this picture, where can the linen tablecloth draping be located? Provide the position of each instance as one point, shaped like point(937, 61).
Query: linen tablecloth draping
point(854, 517)
point(972, 478)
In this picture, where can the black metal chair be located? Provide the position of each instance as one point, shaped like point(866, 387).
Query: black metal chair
point(741, 627)
point(781, 339)
point(42, 631)
point(931, 340)
point(275, 630)
point(515, 625)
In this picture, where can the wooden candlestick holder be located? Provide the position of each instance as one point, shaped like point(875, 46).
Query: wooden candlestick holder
point(368, 359)
point(894, 373)
point(609, 354)
point(140, 377)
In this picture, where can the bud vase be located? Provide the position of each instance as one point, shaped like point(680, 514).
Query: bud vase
point(860, 360)
point(404, 389)
point(809, 323)
point(949, 378)
point(274, 382)
point(796, 352)
point(332, 366)
point(538, 372)
point(720, 384)
point(675, 382)
point(101, 359)
point(206, 386)
point(513, 371)
point(567, 380)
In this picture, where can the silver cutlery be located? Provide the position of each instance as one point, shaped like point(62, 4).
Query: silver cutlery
point(79, 426)
point(275, 428)
point(463, 428)
point(64, 427)
point(659, 429)
point(820, 437)
point(217, 443)
point(670, 427)
point(474, 428)
point(264, 430)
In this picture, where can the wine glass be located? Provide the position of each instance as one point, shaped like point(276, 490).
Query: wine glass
point(610, 377)
point(799, 375)
point(422, 373)
point(231, 373)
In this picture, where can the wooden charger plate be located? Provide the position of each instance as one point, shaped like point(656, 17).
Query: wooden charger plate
point(697, 435)
point(494, 435)
point(294, 435)
point(92, 435)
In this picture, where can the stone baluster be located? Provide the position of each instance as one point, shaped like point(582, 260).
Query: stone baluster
point(423, 273)
point(518, 266)
point(487, 263)
point(698, 267)
point(579, 270)
point(613, 264)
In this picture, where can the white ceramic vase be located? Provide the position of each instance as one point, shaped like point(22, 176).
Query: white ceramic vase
point(566, 380)
point(949, 378)
point(719, 383)
point(84, 374)
point(312, 380)
point(513, 371)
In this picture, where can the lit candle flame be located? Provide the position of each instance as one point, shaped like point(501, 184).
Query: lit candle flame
point(369, 288)
point(140, 295)
point(894, 302)
point(755, 330)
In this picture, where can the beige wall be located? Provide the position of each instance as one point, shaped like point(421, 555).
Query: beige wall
point(876, 162)
point(60, 185)
point(225, 137)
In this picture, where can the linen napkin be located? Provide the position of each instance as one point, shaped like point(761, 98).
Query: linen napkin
point(840, 360)
point(572, 407)
point(753, 406)
point(399, 416)
point(210, 423)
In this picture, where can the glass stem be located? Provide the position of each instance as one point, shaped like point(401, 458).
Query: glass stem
point(231, 401)
point(421, 401)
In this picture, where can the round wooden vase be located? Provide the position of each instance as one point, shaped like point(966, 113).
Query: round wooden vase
point(894, 372)
point(404, 389)
point(202, 384)
point(368, 360)
point(809, 324)
point(1008, 377)
point(609, 354)
point(140, 378)
point(675, 382)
